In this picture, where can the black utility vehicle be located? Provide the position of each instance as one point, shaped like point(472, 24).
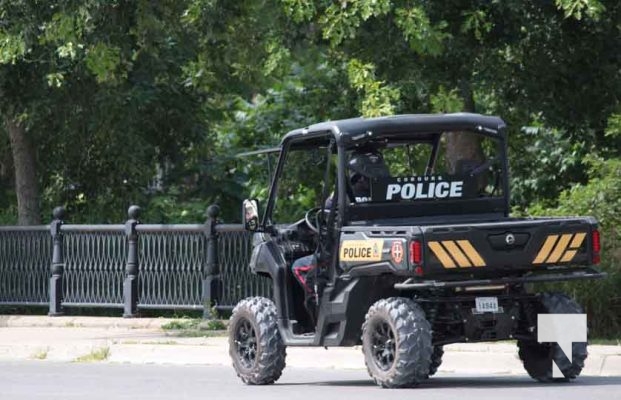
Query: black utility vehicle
point(427, 257)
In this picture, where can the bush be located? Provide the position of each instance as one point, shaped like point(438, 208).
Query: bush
point(601, 198)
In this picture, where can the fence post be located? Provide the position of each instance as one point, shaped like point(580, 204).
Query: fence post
point(130, 284)
point(211, 278)
point(58, 263)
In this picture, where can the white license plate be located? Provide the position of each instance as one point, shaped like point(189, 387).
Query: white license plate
point(487, 304)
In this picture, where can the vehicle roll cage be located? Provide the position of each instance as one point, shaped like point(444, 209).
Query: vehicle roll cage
point(351, 133)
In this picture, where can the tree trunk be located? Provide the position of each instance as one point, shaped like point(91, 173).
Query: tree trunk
point(26, 185)
point(464, 146)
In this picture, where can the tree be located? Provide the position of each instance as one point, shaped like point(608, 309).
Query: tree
point(544, 63)
point(103, 91)
point(110, 93)
point(27, 188)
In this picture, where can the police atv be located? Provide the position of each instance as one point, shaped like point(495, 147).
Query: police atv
point(427, 256)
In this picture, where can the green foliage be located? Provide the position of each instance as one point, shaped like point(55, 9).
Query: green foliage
point(341, 20)
point(576, 8)
point(300, 10)
point(477, 22)
point(102, 61)
point(147, 102)
point(195, 327)
point(12, 47)
point(446, 101)
point(171, 207)
point(378, 98)
point(303, 97)
point(8, 215)
point(547, 162)
point(181, 324)
point(418, 31)
point(100, 354)
point(601, 198)
point(113, 92)
point(40, 354)
point(613, 129)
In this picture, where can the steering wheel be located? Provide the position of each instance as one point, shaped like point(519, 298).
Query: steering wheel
point(310, 215)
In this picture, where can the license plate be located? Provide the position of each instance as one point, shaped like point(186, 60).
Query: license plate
point(486, 304)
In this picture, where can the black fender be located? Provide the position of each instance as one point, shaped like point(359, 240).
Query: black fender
point(267, 260)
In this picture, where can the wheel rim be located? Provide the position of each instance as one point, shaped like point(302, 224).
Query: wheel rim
point(246, 343)
point(383, 345)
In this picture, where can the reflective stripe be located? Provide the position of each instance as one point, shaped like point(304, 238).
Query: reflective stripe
point(442, 255)
point(545, 249)
point(577, 242)
point(471, 252)
point(569, 255)
point(461, 259)
point(559, 248)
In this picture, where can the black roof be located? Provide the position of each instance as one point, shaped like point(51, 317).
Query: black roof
point(345, 129)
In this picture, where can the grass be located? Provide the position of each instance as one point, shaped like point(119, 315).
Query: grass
point(195, 327)
point(100, 354)
point(164, 342)
point(198, 333)
point(610, 342)
point(182, 324)
point(40, 355)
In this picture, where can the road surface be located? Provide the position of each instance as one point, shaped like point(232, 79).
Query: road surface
point(32, 380)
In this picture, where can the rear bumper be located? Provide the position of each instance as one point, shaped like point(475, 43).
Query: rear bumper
point(573, 274)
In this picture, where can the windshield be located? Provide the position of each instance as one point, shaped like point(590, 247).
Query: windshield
point(300, 186)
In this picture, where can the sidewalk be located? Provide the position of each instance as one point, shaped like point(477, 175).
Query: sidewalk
point(119, 340)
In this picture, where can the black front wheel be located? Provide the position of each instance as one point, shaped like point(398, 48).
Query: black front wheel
point(396, 342)
point(255, 345)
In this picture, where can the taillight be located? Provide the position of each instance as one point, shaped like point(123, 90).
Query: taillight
point(596, 243)
point(416, 252)
point(596, 246)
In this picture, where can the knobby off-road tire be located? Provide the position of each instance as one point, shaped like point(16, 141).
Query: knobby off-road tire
point(538, 357)
point(436, 359)
point(396, 342)
point(255, 345)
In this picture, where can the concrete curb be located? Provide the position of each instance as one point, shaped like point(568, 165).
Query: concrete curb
point(25, 321)
point(140, 341)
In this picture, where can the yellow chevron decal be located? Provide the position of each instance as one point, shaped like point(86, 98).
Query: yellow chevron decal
point(560, 248)
point(545, 249)
point(569, 255)
point(471, 252)
point(453, 253)
point(577, 242)
point(458, 256)
point(438, 251)
point(573, 247)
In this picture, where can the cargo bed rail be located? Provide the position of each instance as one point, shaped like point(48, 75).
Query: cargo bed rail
point(574, 274)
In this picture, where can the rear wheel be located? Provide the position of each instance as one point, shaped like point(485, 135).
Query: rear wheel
point(255, 345)
point(396, 342)
point(436, 359)
point(539, 357)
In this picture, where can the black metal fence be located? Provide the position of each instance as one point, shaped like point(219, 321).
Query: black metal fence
point(127, 266)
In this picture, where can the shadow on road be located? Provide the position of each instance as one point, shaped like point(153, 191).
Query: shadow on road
point(478, 382)
point(495, 382)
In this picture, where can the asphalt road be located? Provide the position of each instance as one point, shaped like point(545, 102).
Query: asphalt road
point(33, 380)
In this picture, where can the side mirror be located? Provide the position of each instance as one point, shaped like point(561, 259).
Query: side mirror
point(250, 214)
